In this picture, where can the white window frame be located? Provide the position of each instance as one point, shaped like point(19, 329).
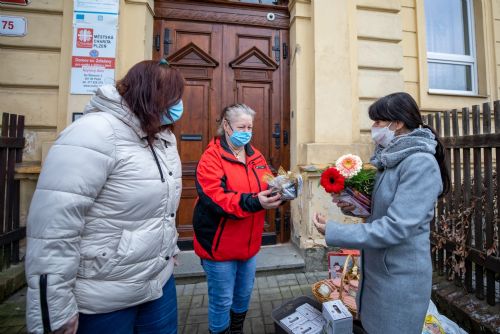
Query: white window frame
point(454, 59)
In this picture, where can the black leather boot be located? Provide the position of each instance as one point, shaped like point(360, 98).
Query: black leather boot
point(237, 320)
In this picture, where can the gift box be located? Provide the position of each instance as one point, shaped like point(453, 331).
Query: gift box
point(287, 184)
point(338, 318)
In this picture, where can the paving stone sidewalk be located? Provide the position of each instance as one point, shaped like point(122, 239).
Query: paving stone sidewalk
point(269, 293)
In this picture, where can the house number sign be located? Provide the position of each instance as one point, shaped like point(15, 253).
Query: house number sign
point(13, 26)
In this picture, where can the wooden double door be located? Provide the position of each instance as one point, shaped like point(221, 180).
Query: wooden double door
point(225, 63)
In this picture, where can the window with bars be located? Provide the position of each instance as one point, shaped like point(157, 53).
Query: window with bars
point(451, 54)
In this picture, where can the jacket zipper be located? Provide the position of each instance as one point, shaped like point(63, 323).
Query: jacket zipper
point(223, 224)
point(257, 178)
point(43, 304)
point(157, 163)
point(251, 230)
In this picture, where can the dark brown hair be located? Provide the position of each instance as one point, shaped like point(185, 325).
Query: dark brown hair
point(149, 89)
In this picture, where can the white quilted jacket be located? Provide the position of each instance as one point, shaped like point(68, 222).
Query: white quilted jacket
point(101, 225)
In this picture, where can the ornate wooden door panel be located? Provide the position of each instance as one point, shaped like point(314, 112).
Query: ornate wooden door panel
point(223, 64)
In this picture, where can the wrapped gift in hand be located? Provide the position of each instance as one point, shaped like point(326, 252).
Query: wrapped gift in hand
point(287, 184)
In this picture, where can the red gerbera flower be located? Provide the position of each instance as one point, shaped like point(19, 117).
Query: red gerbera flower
point(332, 180)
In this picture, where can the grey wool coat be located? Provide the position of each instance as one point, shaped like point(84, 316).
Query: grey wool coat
point(101, 225)
point(396, 264)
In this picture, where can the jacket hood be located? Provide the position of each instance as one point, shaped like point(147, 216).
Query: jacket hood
point(418, 140)
point(108, 100)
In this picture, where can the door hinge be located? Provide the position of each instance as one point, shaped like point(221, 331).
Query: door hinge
point(276, 47)
point(277, 135)
point(285, 51)
point(285, 137)
point(157, 42)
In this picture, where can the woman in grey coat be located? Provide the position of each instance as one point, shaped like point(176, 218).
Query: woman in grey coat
point(396, 262)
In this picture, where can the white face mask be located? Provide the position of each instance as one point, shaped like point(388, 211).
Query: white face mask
point(382, 136)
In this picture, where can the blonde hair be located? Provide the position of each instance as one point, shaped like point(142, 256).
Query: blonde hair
point(231, 113)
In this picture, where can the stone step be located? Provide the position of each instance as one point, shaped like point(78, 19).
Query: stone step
point(271, 260)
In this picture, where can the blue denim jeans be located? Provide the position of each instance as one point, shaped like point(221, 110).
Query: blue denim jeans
point(154, 317)
point(230, 285)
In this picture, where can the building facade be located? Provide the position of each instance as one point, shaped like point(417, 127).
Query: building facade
point(310, 67)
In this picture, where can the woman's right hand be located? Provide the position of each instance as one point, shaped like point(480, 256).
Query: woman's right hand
point(269, 202)
point(70, 327)
point(345, 207)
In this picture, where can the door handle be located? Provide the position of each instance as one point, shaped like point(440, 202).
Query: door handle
point(277, 135)
point(285, 138)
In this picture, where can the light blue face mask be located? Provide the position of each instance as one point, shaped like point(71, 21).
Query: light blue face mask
point(239, 138)
point(175, 112)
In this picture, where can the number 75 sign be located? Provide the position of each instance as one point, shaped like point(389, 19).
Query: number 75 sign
point(13, 26)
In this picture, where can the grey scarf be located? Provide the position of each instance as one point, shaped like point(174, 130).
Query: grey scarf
point(418, 140)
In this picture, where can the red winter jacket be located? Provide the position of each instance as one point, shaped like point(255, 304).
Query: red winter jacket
point(228, 219)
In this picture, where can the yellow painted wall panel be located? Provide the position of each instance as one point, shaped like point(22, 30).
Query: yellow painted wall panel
point(410, 48)
point(497, 53)
point(409, 19)
point(365, 123)
point(29, 68)
point(44, 31)
point(38, 105)
point(35, 139)
point(375, 84)
point(379, 25)
point(40, 5)
point(408, 3)
point(497, 29)
point(413, 89)
point(392, 5)
point(380, 54)
point(410, 70)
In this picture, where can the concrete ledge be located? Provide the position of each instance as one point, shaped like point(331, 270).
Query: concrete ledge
point(470, 313)
point(283, 258)
point(11, 280)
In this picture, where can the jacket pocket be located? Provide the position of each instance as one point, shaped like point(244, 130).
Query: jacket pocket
point(384, 261)
point(223, 225)
point(170, 236)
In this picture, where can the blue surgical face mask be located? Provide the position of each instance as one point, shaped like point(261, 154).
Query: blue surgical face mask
point(175, 112)
point(239, 138)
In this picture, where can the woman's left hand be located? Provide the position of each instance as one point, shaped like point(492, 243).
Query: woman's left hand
point(319, 221)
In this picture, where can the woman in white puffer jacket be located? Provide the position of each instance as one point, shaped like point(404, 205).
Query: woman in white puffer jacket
point(101, 225)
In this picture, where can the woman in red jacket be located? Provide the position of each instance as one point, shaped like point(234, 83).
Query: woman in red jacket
point(229, 217)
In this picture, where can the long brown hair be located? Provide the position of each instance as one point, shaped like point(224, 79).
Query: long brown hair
point(149, 88)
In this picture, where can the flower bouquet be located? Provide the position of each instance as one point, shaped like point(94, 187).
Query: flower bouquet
point(350, 181)
point(288, 184)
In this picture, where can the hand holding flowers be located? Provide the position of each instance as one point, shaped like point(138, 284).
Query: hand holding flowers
point(350, 183)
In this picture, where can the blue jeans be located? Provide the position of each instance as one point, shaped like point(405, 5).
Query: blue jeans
point(230, 285)
point(156, 316)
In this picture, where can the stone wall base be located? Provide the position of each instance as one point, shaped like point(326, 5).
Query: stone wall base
point(11, 280)
point(470, 313)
